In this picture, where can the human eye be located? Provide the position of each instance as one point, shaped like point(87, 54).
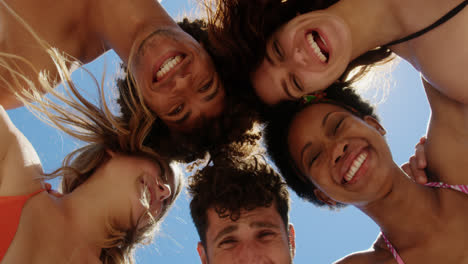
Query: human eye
point(207, 86)
point(296, 83)
point(176, 110)
point(337, 126)
point(266, 235)
point(227, 243)
point(313, 159)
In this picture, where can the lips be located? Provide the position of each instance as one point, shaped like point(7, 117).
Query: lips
point(318, 45)
point(167, 65)
point(353, 166)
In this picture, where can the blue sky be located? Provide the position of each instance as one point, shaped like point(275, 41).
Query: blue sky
point(322, 236)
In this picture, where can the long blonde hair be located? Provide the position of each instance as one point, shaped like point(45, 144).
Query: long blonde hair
point(94, 124)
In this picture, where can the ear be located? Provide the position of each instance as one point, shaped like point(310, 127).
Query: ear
point(374, 123)
point(202, 253)
point(324, 198)
point(292, 240)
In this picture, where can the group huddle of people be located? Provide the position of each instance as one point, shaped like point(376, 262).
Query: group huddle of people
point(249, 81)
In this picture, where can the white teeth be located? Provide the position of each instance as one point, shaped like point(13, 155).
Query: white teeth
point(168, 65)
point(316, 48)
point(355, 166)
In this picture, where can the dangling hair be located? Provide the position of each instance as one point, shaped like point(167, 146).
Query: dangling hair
point(92, 123)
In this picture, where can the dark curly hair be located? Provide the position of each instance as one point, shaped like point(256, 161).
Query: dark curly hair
point(277, 126)
point(229, 187)
point(209, 136)
point(240, 29)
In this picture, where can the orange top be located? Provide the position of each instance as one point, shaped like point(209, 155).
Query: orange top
point(10, 213)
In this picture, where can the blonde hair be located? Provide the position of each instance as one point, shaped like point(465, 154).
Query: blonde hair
point(94, 124)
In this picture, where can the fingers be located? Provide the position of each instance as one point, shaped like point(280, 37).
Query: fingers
point(418, 173)
point(52, 192)
point(406, 168)
point(420, 154)
point(417, 164)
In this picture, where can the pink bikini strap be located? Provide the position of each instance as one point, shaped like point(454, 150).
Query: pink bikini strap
point(460, 188)
point(393, 250)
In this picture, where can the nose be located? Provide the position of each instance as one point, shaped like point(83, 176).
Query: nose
point(250, 254)
point(300, 57)
point(183, 81)
point(339, 151)
point(164, 191)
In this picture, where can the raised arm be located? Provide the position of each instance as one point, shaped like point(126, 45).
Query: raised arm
point(447, 139)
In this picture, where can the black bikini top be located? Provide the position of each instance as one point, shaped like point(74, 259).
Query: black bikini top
point(439, 22)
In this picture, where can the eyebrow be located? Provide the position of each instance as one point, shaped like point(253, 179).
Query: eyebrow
point(261, 224)
point(304, 149)
point(143, 42)
point(324, 121)
point(225, 231)
point(267, 56)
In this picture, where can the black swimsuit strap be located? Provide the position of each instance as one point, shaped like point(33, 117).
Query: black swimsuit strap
point(439, 22)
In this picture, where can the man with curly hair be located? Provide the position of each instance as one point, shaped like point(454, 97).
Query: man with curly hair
point(240, 210)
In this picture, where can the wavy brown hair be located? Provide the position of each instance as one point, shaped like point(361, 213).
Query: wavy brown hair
point(231, 186)
point(93, 124)
point(239, 31)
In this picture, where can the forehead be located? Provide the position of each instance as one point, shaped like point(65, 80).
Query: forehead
point(311, 118)
point(248, 221)
point(265, 83)
point(308, 124)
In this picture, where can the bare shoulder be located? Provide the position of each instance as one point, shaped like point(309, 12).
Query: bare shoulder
point(369, 256)
point(376, 254)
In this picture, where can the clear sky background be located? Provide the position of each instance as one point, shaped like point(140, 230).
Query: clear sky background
point(322, 236)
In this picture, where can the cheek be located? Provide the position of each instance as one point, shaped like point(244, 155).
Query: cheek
point(137, 210)
point(159, 103)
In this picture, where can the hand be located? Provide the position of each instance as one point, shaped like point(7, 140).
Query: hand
point(417, 163)
point(50, 191)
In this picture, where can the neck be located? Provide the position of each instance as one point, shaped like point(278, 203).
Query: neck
point(366, 35)
point(380, 22)
point(400, 211)
point(84, 215)
point(122, 24)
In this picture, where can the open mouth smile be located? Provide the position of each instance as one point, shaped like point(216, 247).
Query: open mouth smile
point(167, 66)
point(355, 166)
point(318, 45)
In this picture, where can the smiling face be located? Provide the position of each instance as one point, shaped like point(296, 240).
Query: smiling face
point(343, 155)
point(177, 79)
point(135, 186)
point(305, 55)
point(258, 236)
